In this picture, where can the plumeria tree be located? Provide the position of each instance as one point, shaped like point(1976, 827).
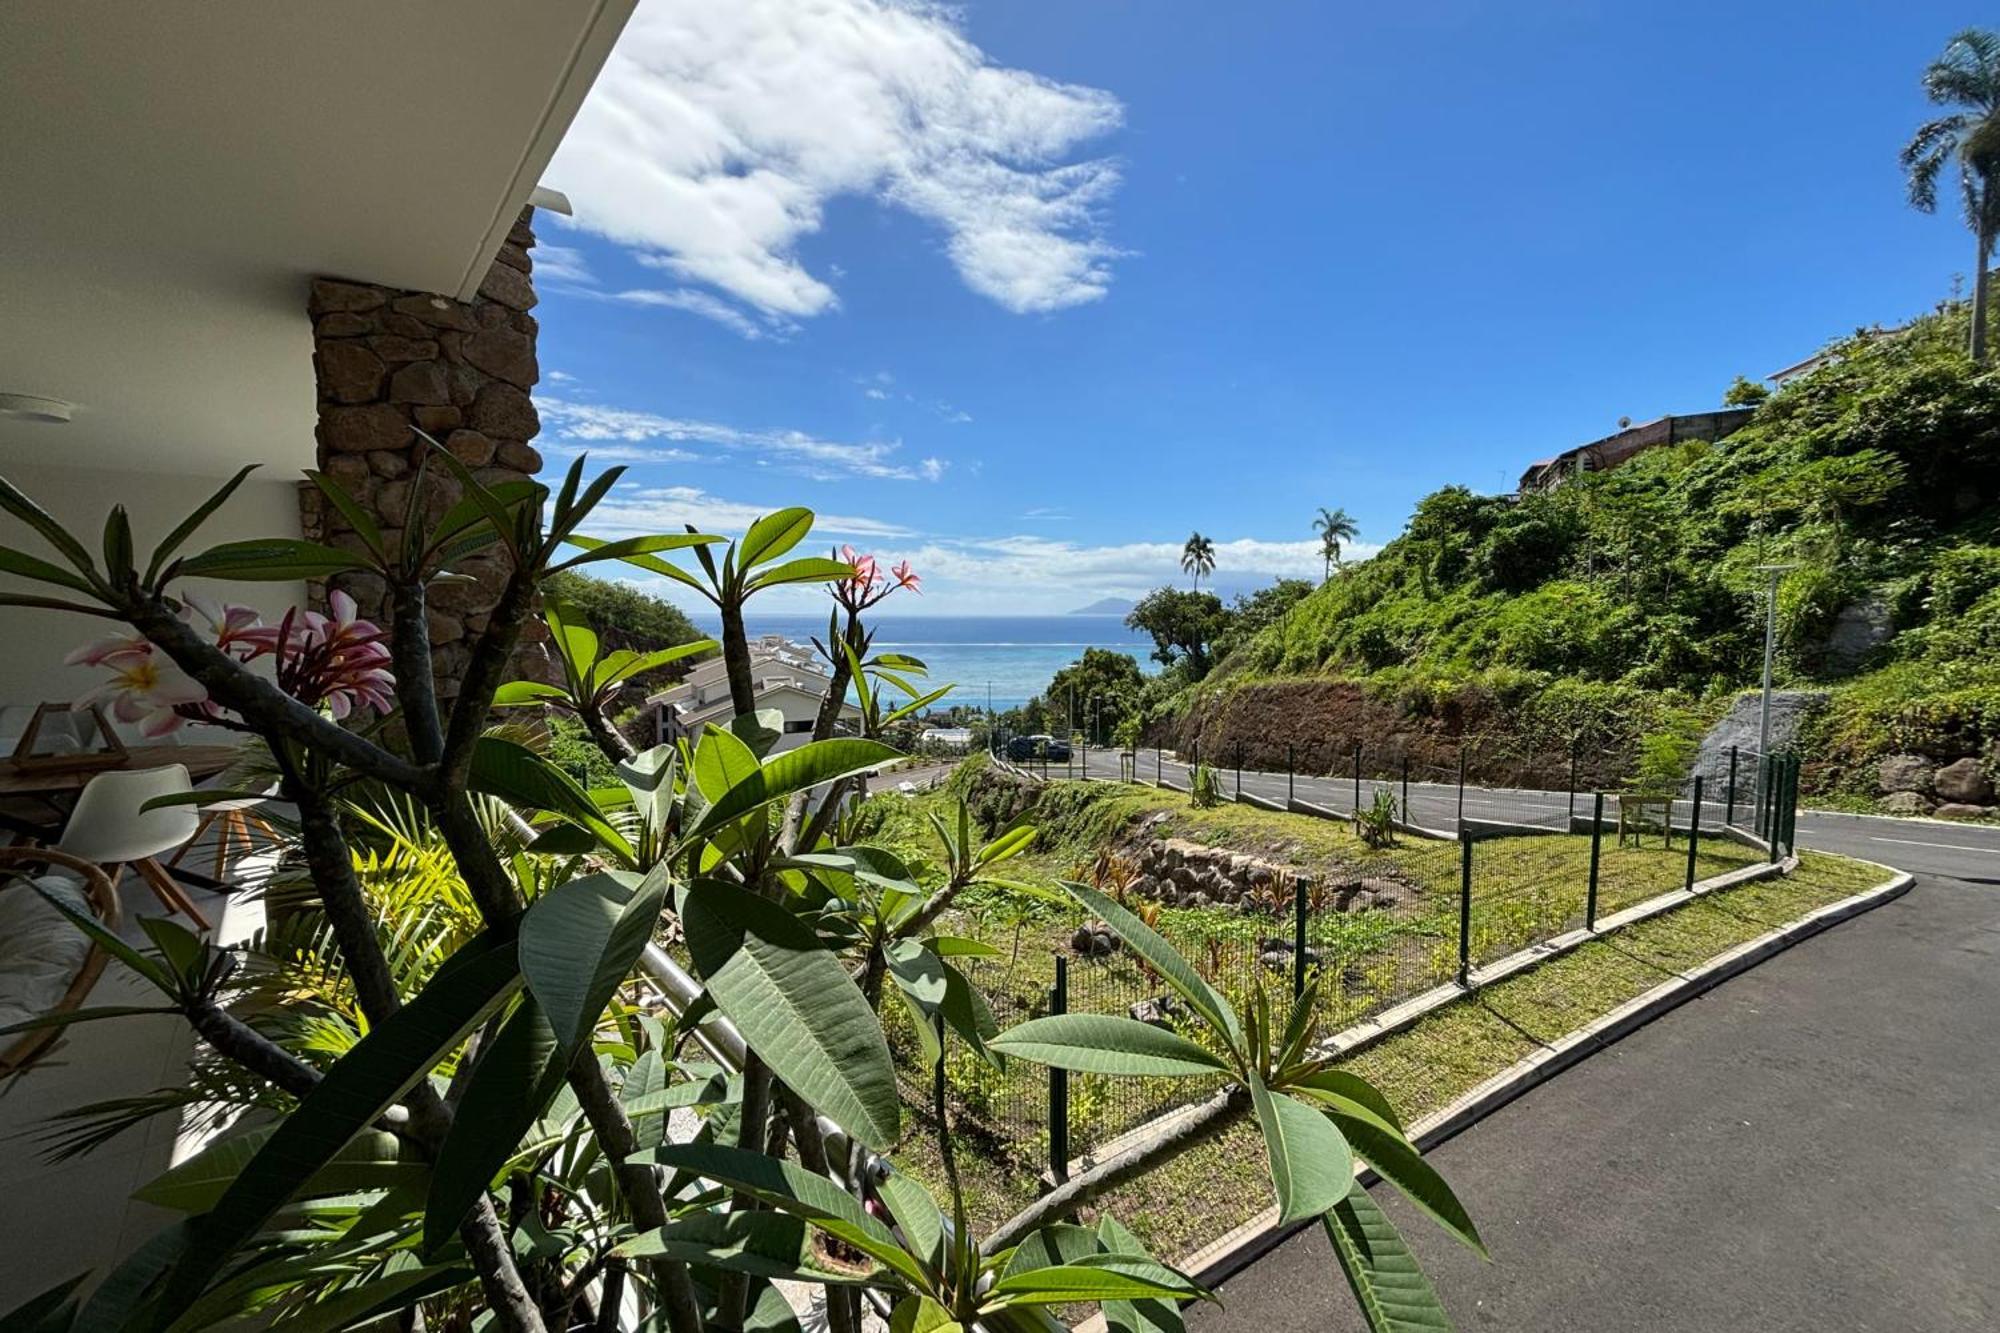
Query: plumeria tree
point(500, 1137)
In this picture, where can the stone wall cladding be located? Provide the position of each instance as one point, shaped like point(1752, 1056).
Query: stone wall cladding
point(389, 362)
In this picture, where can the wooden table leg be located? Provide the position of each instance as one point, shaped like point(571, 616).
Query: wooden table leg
point(169, 893)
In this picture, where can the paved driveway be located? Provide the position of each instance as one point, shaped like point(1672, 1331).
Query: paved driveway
point(1814, 1145)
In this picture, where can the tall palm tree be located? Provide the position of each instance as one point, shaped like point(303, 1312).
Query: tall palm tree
point(1966, 76)
point(1334, 527)
point(1198, 558)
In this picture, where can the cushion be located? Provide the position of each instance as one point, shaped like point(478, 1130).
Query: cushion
point(41, 950)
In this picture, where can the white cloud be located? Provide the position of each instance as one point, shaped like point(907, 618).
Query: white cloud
point(632, 510)
point(877, 394)
point(964, 575)
point(568, 424)
point(705, 304)
point(717, 134)
point(561, 265)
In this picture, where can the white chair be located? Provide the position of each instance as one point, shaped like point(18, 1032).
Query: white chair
point(108, 827)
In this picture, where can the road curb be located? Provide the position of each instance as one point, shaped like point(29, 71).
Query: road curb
point(1233, 1252)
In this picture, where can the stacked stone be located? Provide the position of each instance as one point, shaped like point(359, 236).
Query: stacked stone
point(1914, 784)
point(389, 363)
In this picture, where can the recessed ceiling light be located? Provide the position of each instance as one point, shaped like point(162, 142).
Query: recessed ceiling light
point(28, 407)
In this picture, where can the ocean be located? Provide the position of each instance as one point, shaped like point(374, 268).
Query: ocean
point(1013, 657)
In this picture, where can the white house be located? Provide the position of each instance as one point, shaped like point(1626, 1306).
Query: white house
point(787, 677)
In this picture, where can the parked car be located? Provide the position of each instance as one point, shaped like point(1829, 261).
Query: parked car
point(1023, 748)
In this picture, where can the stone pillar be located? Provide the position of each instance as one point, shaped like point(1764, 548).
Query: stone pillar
point(387, 360)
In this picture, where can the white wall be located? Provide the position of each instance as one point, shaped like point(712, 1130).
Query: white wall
point(34, 642)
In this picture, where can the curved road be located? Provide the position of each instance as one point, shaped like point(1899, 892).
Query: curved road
point(1812, 1146)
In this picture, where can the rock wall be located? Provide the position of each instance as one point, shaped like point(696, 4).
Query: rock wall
point(1741, 727)
point(1182, 873)
point(390, 362)
point(1912, 784)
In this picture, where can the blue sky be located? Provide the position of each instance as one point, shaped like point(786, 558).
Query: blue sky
point(1026, 291)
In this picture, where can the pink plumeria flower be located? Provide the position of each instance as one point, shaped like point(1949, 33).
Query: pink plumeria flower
point(233, 626)
point(906, 577)
point(146, 689)
point(116, 650)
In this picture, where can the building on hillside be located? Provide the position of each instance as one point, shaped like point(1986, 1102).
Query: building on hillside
point(946, 738)
point(786, 676)
point(1826, 356)
point(1614, 450)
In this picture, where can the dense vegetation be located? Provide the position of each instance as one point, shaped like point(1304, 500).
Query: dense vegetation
point(1628, 603)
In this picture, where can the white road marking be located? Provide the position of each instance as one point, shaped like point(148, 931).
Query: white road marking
point(1918, 842)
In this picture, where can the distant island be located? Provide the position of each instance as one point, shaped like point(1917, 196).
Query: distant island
point(1106, 606)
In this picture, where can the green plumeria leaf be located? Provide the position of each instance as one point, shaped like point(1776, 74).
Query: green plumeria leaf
point(268, 560)
point(794, 1190)
point(1176, 970)
point(796, 1006)
point(513, 1082)
point(1397, 1161)
point(795, 770)
point(773, 535)
point(1389, 1286)
point(768, 1245)
point(1311, 1165)
point(581, 939)
point(1108, 1044)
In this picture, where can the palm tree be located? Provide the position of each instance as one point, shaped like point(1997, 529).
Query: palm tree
point(1966, 76)
point(1334, 527)
point(1198, 558)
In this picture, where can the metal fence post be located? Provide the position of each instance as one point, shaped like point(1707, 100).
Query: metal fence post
point(1694, 828)
point(1058, 1084)
point(1290, 794)
point(1406, 788)
point(1159, 764)
point(1729, 810)
point(1464, 907)
point(1357, 777)
point(1572, 779)
point(1596, 851)
point(1461, 785)
point(1298, 939)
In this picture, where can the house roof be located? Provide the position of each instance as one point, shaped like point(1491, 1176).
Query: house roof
point(723, 707)
point(177, 174)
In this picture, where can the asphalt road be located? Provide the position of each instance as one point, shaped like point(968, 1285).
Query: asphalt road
point(1969, 852)
point(1814, 1145)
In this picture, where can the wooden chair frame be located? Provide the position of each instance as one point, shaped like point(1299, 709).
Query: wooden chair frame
point(98, 888)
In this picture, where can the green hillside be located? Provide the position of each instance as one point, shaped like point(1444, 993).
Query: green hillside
point(1877, 474)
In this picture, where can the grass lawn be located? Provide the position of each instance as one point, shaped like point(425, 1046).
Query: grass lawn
point(1525, 889)
point(1204, 1194)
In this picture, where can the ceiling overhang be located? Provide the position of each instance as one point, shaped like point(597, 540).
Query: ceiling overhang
point(175, 176)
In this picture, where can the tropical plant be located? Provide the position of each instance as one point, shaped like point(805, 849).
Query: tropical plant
point(591, 678)
point(1315, 1118)
point(1966, 76)
point(1197, 558)
point(1333, 526)
point(1375, 823)
point(474, 1099)
point(1204, 787)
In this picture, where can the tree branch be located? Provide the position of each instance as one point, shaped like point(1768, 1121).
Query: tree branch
point(261, 703)
point(416, 684)
point(483, 675)
point(1215, 1116)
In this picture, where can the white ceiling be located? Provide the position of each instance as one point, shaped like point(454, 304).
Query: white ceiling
point(173, 172)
